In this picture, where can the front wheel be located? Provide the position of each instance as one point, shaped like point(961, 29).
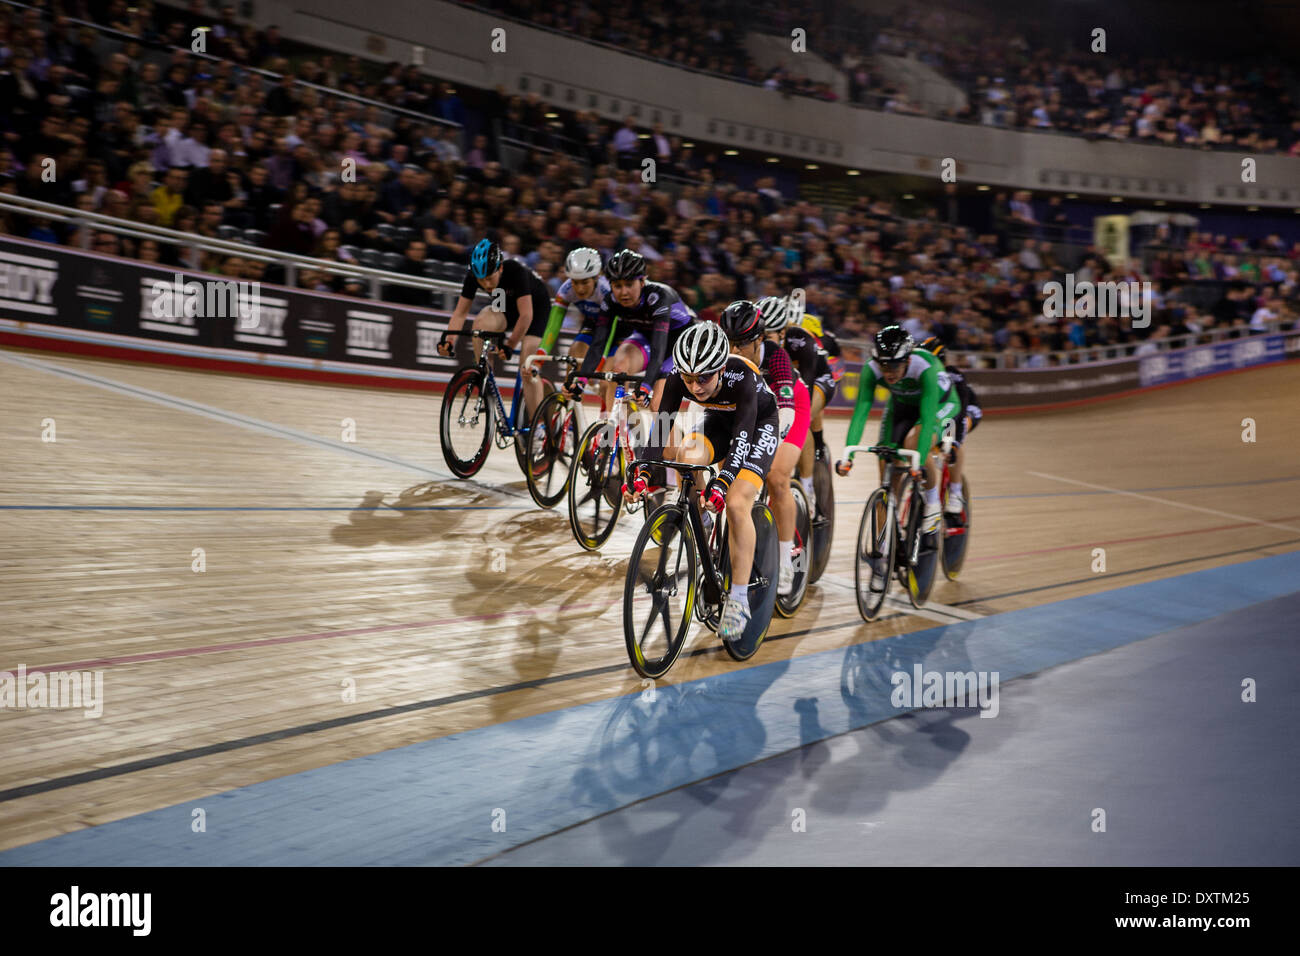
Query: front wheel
point(873, 561)
point(466, 432)
point(595, 487)
point(552, 443)
point(660, 591)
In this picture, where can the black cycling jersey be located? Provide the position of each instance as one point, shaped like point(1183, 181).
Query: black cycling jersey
point(517, 280)
point(964, 390)
point(806, 354)
point(660, 316)
point(743, 397)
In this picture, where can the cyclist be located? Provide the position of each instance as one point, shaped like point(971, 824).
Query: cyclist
point(649, 316)
point(585, 288)
point(519, 297)
point(922, 404)
point(745, 326)
point(810, 358)
point(967, 420)
point(739, 429)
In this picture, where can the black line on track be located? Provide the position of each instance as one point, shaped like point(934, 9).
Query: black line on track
point(161, 760)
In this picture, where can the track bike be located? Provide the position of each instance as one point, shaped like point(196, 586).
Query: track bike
point(888, 519)
point(602, 460)
point(823, 520)
point(553, 436)
point(473, 414)
point(679, 570)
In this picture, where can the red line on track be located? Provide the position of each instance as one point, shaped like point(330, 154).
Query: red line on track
point(1145, 537)
point(299, 638)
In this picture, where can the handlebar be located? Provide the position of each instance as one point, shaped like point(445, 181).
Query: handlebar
point(884, 451)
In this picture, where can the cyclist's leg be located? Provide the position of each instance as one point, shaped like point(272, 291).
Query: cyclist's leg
point(488, 320)
point(740, 528)
point(534, 389)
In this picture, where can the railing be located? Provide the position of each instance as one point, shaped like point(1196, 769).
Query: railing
point(85, 221)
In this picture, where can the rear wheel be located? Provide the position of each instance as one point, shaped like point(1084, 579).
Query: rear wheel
point(918, 564)
point(660, 592)
point(788, 605)
point(595, 488)
point(956, 536)
point(823, 523)
point(762, 586)
point(552, 443)
point(873, 561)
point(466, 432)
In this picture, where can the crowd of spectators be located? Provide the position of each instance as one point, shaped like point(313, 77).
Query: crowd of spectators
point(207, 147)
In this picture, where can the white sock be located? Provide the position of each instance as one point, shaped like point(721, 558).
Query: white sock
point(785, 548)
point(955, 488)
point(740, 592)
point(932, 496)
point(807, 485)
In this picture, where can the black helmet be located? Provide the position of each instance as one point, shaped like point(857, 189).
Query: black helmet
point(892, 345)
point(741, 322)
point(625, 265)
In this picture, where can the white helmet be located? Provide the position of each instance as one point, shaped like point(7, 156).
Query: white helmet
point(701, 349)
point(583, 263)
point(772, 309)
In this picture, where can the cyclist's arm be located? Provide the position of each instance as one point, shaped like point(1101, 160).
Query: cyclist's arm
point(463, 305)
point(932, 395)
point(782, 378)
point(669, 407)
point(658, 349)
point(593, 355)
point(553, 326)
point(862, 405)
point(746, 418)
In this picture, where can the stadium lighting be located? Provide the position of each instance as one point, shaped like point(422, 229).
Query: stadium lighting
point(811, 166)
point(773, 159)
point(1071, 195)
point(1252, 209)
point(1116, 198)
point(731, 152)
point(857, 172)
point(908, 196)
point(982, 188)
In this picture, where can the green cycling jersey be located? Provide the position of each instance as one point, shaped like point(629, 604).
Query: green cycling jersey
point(925, 383)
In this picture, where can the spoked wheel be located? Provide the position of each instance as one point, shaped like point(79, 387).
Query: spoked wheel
point(956, 537)
point(595, 488)
point(521, 436)
point(823, 523)
point(552, 444)
point(660, 592)
point(466, 433)
point(873, 562)
point(762, 586)
point(919, 562)
point(788, 605)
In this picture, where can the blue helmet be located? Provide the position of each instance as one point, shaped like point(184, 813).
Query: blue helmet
point(486, 259)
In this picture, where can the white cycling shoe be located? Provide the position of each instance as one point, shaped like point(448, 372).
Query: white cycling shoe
point(785, 579)
point(735, 618)
point(930, 517)
point(956, 503)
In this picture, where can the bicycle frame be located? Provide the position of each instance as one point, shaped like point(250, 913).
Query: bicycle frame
point(506, 427)
point(712, 577)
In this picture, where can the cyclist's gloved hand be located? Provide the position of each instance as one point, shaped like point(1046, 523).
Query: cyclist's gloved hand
point(574, 387)
point(715, 496)
point(506, 351)
point(643, 394)
point(843, 467)
point(444, 345)
point(640, 482)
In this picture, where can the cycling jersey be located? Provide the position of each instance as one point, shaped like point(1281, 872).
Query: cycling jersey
point(926, 387)
point(778, 373)
point(807, 355)
point(517, 280)
point(742, 415)
point(656, 320)
point(589, 308)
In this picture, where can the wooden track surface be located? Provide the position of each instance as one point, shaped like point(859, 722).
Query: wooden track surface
point(471, 606)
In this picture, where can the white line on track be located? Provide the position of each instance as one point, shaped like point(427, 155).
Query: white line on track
point(252, 424)
point(1166, 501)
